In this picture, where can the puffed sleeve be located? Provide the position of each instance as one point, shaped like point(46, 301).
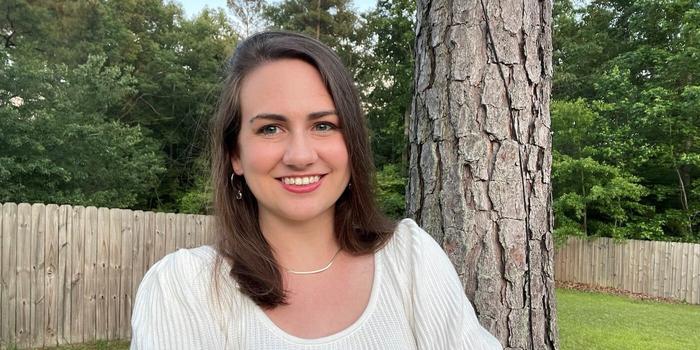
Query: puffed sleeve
point(171, 309)
point(443, 316)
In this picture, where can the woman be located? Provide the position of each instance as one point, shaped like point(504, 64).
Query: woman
point(304, 260)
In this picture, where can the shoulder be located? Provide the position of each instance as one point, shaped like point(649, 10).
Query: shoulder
point(183, 263)
point(175, 306)
point(182, 272)
point(411, 242)
point(411, 250)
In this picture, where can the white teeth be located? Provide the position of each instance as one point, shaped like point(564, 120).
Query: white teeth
point(298, 181)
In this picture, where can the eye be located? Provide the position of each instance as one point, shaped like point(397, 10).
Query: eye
point(324, 127)
point(269, 129)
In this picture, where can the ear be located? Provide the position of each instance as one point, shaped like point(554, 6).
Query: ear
point(236, 165)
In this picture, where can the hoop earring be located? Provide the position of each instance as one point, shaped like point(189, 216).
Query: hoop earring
point(238, 195)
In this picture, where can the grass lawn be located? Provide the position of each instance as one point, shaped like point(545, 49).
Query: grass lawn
point(600, 321)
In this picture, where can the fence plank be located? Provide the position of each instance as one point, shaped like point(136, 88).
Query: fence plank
point(137, 256)
point(597, 261)
point(113, 273)
point(161, 228)
point(576, 269)
point(181, 231)
point(602, 259)
point(149, 236)
point(612, 260)
point(127, 236)
point(36, 309)
point(101, 277)
point(75, 229)
point(683, 286)
point(657, 278)
point(212, 228)
point(589, 261)
point(560, 263)
point(205, 230)
point(577, 261)
point(696, 274)
point(3, 279)
point(642, 264)
point(53, 275)
point(24, 248)
point(189, 231)
point(91, 268)
point(678, 272)
point(617, 256)
point(196, 231)
point(170, 233)
point(690, 274)
point(668, 270)
point(206, 239)
point(64, 283)
point(9, 273)
point(649, 267)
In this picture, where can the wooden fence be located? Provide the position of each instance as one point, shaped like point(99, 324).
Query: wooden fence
point(662, 269)
point(69, 274)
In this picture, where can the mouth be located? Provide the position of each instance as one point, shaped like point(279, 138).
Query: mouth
point(301, 184)
point(300, 180)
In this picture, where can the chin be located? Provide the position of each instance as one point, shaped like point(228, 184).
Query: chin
point(302, 214)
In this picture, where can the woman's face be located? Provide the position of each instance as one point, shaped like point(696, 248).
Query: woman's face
point(290, 147)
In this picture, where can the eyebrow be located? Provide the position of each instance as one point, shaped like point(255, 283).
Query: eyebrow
point(281, 118)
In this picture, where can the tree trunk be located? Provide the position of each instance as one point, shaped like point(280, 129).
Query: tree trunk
point(480, 157)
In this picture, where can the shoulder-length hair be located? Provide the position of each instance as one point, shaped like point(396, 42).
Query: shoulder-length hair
point(360, 227)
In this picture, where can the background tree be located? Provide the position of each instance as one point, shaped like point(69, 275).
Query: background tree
point(334, 22)
point(174, 66)
point(246, 16)
point(384, 72)
point(480, 157)
point(630, 64)
point(58, 145)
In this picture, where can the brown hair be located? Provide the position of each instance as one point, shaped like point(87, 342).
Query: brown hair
point(360, 227)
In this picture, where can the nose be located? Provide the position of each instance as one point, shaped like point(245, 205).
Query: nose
point(300, 151)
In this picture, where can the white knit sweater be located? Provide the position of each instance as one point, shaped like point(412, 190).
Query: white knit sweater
point(417, 302)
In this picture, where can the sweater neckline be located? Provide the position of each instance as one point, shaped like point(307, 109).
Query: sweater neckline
point(369, 309)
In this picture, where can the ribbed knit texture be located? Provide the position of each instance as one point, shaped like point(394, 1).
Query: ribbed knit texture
point(417, 302)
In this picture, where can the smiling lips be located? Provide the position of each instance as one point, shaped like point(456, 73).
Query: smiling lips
point(301, 184)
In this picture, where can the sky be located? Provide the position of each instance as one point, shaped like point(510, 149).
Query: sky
point(192, 7)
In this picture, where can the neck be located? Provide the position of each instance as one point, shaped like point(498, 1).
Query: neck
point(301, 246)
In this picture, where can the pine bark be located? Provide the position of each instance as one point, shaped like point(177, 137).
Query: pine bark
point(480, 157)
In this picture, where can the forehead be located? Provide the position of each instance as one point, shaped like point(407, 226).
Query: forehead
point(285, 86)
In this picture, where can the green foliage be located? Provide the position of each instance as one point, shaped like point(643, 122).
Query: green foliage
point(385, 73)
point(58, 145)
point(332, 21)
point(174, 67)
point(391, 185)
point(597, 199)
point(198, 199)
point(631, 67)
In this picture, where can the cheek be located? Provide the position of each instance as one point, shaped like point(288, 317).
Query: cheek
point(338, 154)
point(257, 158)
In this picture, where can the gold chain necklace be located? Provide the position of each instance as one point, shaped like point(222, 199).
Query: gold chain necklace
point(315, 271)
